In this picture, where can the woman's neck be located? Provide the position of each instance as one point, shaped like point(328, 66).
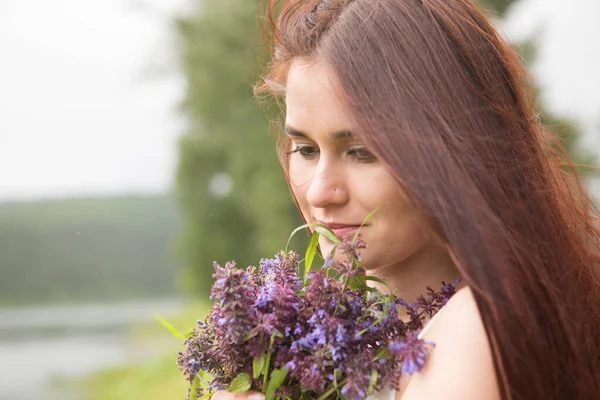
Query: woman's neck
point(409, 279)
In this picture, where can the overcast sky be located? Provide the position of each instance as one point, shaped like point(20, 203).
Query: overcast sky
point(88, 89)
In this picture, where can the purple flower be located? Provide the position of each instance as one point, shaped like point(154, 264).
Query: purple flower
point(411, 351)
point(318, 335)
point(340, 334)
point(336, 353)
point(265, 294)
point(267, 264)
point(329, 260)
point(358, 370)
point(313, 379)
point(352, 249)
point(310, 327)
point(295, 344)
point(291, 365)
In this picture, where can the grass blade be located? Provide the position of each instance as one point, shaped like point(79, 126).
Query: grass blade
point(368, 217)
point(310, 252)
point(169, 326)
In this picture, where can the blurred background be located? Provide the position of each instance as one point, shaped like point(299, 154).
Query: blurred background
point(132, 156)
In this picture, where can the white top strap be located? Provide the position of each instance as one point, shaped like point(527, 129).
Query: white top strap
point(429, 323)
point(388, 394)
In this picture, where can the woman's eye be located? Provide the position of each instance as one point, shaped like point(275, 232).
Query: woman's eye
point(361, 154)
point(305, 151)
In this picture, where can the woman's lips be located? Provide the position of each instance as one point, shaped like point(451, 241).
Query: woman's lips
point(342, 230)
point(345, 231)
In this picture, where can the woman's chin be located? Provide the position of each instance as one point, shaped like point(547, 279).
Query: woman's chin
point(326, 250)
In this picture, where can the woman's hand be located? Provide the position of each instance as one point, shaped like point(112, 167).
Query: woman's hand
point(225, 395)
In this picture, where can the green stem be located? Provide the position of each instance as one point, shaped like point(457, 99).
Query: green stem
point(338, 303)
point(268, 363)
point(353, 261)
point(333, 389)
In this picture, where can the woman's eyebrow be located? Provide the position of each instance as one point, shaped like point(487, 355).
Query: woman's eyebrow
point(344, 134)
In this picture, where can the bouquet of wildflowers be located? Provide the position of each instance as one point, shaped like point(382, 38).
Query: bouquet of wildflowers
point(313, 336)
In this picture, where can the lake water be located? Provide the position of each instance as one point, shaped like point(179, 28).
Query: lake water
point(39, 345)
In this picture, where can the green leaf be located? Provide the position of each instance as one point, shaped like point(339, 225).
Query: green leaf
point(368, 217)
point(298, 229)
point(328, 269)
point(205, 377)
point(384, 353)
point(310, 252)
point(328, 233)
point(383, 314)
point(358, 284)
point(337, 375)
point(268, 361)
point(376, 279)
point(258, 365)
point(277, 378)
point(169, 326)
point(240, 383)
point(195, 385)
point(330, 391)
point(250, 335)
point(372, 382)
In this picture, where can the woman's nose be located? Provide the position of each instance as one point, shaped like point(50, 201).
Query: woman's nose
point(328, 185)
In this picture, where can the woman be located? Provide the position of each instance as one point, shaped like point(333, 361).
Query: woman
point(418, 108)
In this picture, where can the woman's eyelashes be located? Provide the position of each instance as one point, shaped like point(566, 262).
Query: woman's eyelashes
point(359, 154)
point(305, 151)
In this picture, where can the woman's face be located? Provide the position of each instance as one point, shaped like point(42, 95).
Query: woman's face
point(334, 177)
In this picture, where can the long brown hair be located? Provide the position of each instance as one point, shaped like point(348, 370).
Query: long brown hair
point(446, 104)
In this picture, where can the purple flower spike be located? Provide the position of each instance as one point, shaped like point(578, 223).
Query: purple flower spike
point(328, 261)
point(329, 330)
point(411, 351)
point(267, 264)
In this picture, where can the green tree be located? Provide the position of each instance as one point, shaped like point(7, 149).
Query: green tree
point(227, 133)
point(87, 249)
point(567, 130)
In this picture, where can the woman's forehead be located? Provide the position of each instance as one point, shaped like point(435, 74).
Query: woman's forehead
point(313, 100)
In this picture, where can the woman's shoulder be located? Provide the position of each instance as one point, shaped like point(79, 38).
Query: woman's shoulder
point(460, 366)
